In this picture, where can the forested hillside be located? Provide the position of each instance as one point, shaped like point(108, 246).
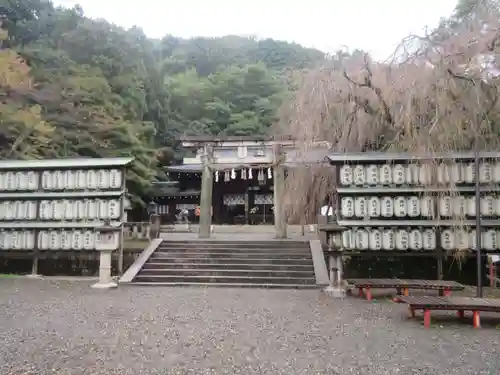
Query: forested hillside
point(72, 86)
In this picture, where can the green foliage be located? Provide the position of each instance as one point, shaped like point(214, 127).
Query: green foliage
point(72, 86)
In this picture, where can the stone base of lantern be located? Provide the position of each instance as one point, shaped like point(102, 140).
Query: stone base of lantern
point(105, 279)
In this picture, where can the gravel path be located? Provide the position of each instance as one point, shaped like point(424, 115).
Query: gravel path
point(49, 327)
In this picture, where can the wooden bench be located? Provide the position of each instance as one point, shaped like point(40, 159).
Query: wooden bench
point(458, 304)
point(402, 286)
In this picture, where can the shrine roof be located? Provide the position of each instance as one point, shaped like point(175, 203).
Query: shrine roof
point(64, 163)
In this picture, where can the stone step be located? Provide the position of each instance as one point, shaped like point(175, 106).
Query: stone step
point(241, 248)
point(225, 279)
point(212, 265)
point(227, 254)
point(233, 260)
point(201, 272)
point(234, 245)
point(225, 285)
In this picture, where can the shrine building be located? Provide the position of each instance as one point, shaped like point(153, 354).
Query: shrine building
point(242, 180)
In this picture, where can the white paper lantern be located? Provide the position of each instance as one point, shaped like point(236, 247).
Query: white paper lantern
point(7, 240)
point(385, 174)
point(45, 210)
point(15, 240)
point(55, 240)
point(412, 174)
point(103, 209)
point(472, 239)
point(443, 174)
point(43, 240)
point(447, 239)
point(348, 241)
point(9, 210)
point(461, 239)
point(427, 207)
point(416, 240)
point(425, 175)
point(29, 240)
point(359, 175)
point(485, 173)
point(388, 240)
point(346, 175)
point(32, 178)
point(108, 241)
point(470, 173)
point(372, 175)
point(402, 240)
point(413, 206)
point(88, 240)
point(70, 180)
point(496, 172)
point(81, 212)
point(115, 212)
point(400, 207)
point(2, 210)
point(362, 241)
point(81, 180)
point(115, 179)
point(374, 207)
point(92, 212)
point(360, 207)
point(46, 180)
point(399, 175)
point(375, 240)
point(445, 207)
point(487, 206)
point(497, 206)
point(69, 210)
point(58, 182)
point(10, 181)
point(387, 207)
point(92, 181)
point(22, 181)
point(66, 240)
point(3, 182)
point(77, 240)
point(457, 173)
point(460, 206)
point(471, 206)
point(58, 209)
point(490, 241)
point(347, 207)
point(103, 179)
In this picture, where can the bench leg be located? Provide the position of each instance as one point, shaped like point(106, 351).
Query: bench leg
point(411, 311)
point(427, 318)
point(360, 292)
point(447, 292)
point(368, 293)
point(476, 320)
point(461, 314)
point(406, 293)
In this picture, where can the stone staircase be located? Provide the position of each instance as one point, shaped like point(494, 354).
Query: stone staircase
point(272, 264)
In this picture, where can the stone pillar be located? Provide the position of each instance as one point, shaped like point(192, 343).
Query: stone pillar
point(105, 280)
point(207, 185)
point(279, 191)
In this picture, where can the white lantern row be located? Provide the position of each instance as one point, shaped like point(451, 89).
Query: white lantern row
point(89, 209)
point(18, 210)
point(82, 179)
point(398, 174)
point(17, 240)
point(244, 174)
point(466, 206)
point(462, 239)
point(77, 240)
point(18, 181)
point(375, 239)
point(387, 206)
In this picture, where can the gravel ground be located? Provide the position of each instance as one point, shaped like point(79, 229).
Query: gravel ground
point(58, 327)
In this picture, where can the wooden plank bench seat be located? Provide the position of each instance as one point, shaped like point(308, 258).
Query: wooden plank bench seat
point(402, 286)
point(458, 304)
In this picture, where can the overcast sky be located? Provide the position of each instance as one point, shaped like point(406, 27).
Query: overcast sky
point(372, 25)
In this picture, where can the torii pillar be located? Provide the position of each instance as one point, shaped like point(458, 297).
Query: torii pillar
point(279, 192)
point(207, 184)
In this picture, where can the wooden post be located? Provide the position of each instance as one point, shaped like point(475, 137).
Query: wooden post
point(279, 191)
point(207, 184)
point(123, 213)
